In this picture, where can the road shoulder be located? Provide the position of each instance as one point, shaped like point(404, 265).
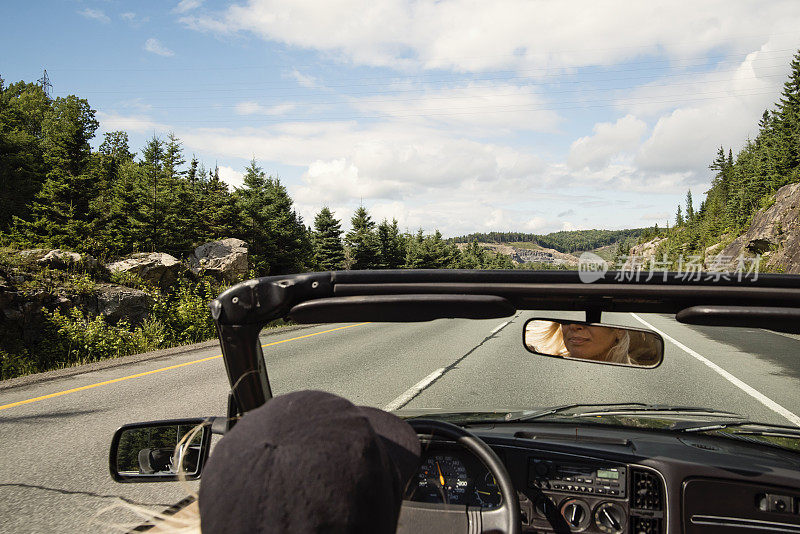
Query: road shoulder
point(65, 372)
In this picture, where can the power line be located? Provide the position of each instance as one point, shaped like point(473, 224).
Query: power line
point(548, 73)
point(444, 112)
point(551, 52)
point(240, 91)
point(438, 96)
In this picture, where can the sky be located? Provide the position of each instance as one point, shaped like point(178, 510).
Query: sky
point(457, 115)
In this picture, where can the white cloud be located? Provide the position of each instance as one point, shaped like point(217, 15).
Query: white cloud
point(133, 19)
point(114, 121)
point(431, 178)
point(607, 141)
point(254, 108)
point(95, 14)
point(483, 107)
point(465, 35)
point(686, 138)
point(231, 176)
point(185, 6)
point(136, 103)
point(154, 45)
point(304, 80)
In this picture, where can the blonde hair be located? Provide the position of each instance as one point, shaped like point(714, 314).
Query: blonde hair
point(546, 337)
point(184, 520)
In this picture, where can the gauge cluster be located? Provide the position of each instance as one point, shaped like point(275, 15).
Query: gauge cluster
point(453, 476)
point(579, 494)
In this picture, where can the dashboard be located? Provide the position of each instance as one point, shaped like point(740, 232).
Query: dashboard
point(595, 480)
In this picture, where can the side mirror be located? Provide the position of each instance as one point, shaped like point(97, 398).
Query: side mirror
point(158, 451)
point(591, 342)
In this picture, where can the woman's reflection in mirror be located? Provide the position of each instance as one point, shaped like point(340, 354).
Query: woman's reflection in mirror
point(575, 340)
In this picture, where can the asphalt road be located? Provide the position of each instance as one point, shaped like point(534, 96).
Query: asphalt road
point(53, 451)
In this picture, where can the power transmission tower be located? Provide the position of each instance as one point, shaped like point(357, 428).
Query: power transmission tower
point(44, 82)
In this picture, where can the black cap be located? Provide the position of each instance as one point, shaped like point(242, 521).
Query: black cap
point(309, 461)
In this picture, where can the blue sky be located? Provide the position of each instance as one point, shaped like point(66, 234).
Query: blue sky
point(455, 115)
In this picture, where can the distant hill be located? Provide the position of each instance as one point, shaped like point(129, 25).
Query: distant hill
point(566, 241)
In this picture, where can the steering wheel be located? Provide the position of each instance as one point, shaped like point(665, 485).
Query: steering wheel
point(424, 517)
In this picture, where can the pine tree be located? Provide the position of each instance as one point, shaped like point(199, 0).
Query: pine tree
point(191, 175)
point(362, 241)
point(173, 158)
point(327, 235)
point(391, 245)
point(679, 217)
point(787, 124)
point(689, 207)
point(116, 146)
point(431, 252)
point(23, 107)
point(152, 164)
point(279, 241)
point(60, 211)
point(218, 213)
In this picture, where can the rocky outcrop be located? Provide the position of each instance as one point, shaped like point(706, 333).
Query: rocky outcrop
point(65, 259)
point(22, 312)
point(642, 254)
point(117, 302)
point(225, 260)
point(774, 234)
point(155, 267)
point(33, 254)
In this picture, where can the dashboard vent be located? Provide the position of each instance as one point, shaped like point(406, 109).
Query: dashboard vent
point(645, 525)
point(647, 492)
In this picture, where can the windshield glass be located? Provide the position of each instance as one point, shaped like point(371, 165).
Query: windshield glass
point(479, 370)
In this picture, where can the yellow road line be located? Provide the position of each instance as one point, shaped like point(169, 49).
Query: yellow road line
point(98, 384)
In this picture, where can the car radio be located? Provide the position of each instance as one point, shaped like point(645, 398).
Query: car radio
point(594, 479)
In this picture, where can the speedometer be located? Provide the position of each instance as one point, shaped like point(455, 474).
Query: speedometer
point(442, 478)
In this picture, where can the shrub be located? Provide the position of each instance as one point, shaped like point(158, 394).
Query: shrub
point(82, 339)
point(130, 279)
point(184, 313)
point(15, 364)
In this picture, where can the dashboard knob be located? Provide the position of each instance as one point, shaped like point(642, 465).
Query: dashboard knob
point(544, 507)
point(610, 518)
point(575, 513)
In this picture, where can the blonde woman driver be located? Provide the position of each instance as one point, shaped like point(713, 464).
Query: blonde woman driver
point(574, 340)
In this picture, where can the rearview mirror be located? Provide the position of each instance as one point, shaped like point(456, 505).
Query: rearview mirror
point(159, 450)
point(608, 344)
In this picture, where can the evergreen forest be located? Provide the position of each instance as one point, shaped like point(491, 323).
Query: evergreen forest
point(743, 183)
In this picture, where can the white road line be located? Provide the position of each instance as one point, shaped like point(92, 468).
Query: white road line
point(760, 397)
point(413, 391)
point(497, 329)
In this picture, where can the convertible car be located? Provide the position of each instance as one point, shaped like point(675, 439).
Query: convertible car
point(625, 467)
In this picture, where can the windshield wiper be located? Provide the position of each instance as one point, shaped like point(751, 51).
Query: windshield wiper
point(771, 430)
point(630, 407)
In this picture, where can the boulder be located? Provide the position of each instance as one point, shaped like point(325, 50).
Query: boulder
point(154, 267)
point(774, 233)
point(117, 302)
point(225, 259)
point(642, 255)
point(33, 254)
point(64, 259)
